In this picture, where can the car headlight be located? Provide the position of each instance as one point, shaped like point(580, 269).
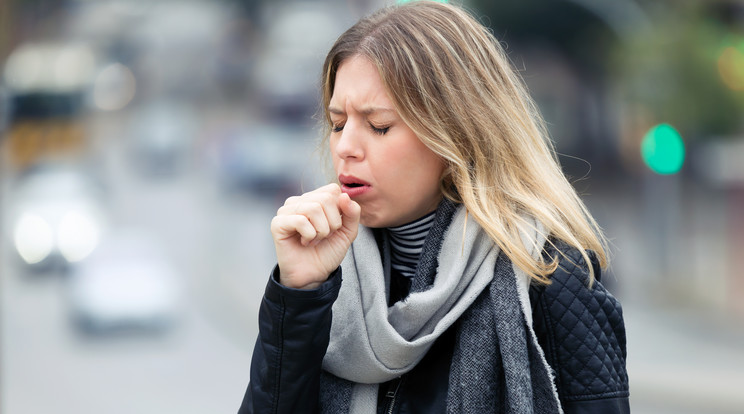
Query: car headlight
point(77, 236)
point(34, 238)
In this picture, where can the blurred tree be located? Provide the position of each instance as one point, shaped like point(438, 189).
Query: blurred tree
point(643, 63)
point(561, 47)
point(564, 24)
point(676, 71)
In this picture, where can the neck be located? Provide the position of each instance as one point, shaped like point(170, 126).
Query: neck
point(407, 242)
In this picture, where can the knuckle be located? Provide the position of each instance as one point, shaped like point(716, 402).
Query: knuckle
point(309, 230)
point(328, 189)
point(316, 207)
point(277, 223)
point(329, 198)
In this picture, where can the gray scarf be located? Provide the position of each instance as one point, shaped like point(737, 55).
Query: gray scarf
point(497, 365)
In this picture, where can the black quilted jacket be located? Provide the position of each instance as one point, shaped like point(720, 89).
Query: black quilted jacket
point(580, 329)
point(582, 332)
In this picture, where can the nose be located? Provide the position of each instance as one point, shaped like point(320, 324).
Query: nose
point(348, 143)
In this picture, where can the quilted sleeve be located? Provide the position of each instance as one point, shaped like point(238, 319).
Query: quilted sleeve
point(294, 329)
point(582, 332)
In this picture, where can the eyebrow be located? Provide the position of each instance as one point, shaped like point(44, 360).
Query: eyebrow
point(365, 111)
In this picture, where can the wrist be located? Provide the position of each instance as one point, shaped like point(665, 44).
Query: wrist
point(278, 293)
point(294, 285)
point(302, 282)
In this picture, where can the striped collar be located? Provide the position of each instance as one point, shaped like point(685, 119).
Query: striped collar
point(406, 243)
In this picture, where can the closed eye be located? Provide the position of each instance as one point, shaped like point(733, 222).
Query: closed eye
point(379, 130)
point(376, 130)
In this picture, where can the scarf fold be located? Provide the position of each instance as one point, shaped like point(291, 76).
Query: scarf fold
point(462, 278)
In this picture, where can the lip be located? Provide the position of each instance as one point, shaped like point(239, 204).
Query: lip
point(347, 180)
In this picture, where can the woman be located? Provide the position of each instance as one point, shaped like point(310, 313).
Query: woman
point(470, 266)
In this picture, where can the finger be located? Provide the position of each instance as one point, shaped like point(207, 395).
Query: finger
point(351, 211)
point(292, 200)
point(326, 189)
point(327, 197)
point(316, 214)
point(332, 211)
point(317, 194)
point(332, 188)
point(286, 227)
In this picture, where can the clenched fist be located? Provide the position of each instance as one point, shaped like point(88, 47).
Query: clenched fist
point(312, 233)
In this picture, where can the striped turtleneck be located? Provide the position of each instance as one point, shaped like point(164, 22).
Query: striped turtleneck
point(406, 243)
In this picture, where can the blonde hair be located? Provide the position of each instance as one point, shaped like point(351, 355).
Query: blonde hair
point(452, 84)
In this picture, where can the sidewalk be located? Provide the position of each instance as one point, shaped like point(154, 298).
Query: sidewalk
point(681, 361)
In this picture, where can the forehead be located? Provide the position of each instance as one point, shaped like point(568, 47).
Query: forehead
point(358, 83)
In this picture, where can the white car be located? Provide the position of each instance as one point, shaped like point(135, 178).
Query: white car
point(127, 282)
point(56, 215)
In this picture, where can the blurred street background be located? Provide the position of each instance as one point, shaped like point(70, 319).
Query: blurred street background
point(146, 144)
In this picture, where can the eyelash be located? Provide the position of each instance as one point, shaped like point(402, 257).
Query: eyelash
point(379, 131)
point(376, 130)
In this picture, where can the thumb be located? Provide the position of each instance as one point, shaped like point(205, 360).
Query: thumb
point(350, 213)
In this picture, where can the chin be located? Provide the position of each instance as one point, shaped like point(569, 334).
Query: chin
point(372, 224)
point(381, 222)
point(373, 221)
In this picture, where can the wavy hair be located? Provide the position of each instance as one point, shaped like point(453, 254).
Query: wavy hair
point(453, 85)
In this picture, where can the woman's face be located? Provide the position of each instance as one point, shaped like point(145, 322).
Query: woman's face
point(379, 161)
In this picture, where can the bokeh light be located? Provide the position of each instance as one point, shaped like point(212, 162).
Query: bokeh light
point(731, 68)
point(34, 238)
point(663, 150)
point(49, 67)
point(114, 87)
point(77, 236)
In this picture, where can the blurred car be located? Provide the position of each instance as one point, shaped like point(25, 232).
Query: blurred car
point(268, 160)
point(47, 83)
point(127, 282)
point(162, 137)
point(56, 215)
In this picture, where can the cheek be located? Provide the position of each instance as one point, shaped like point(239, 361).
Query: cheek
point(426, 182)
point(413, 173)
point(393, 166)
point(429, 174)
point(429, 165)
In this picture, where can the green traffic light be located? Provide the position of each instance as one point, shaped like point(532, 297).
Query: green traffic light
point(663, 150)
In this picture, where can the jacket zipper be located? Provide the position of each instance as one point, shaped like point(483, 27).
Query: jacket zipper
point(391, 394)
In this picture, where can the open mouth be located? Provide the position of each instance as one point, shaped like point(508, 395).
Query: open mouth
point(353, 186)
